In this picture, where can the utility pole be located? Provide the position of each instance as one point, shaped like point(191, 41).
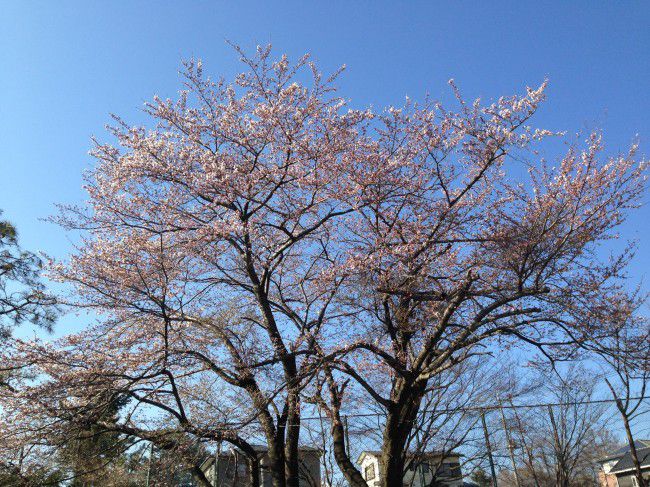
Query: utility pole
point(488, 446)
point(510, 448)
point(217, 459)
point(149, 466)
point(559, 472)
point(347, 435)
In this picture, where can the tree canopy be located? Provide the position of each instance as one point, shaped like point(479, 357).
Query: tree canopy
point(262, 248)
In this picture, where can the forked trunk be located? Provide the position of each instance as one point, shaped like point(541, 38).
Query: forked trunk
point(254, 471)
point(399, 424)
point(349, 470)
point(276, 462)
point(292, 436)
point(635, 458)
point(392, 464)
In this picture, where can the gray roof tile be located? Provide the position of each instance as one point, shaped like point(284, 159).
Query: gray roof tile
point(626, 462)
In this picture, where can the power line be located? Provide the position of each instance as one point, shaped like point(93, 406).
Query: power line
point(494, 407)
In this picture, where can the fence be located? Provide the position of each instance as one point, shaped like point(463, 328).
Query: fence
point(506, 444)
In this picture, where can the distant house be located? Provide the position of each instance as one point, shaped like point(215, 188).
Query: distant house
point(230, 468)
point(617, 469)
point(444, 466)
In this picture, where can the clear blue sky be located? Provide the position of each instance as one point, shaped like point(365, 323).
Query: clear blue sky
point(65, 65)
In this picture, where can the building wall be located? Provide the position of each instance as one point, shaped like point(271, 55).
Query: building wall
point(625, 481)
point(607, 466)
point(310, 469)
point(232, 471)
point(370, 461)
point(607, 479)
point(412, 478)
point(628, 479)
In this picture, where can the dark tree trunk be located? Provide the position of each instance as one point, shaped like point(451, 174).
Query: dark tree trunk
point(561, 477)
point(635, 458)
point(339, 435)
point(254, 471)
point(200, 477)
point(277, 461)
point(292, 435)
point(351, 473)
point(399, 424)
point(392, 463)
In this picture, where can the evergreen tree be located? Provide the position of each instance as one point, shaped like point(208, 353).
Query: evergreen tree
point(481, 478)
point(22, 294)
point(95, 455)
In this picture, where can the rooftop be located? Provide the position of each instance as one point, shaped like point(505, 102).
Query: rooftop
point(626, 463)
point(620, 453)
point(429, 454)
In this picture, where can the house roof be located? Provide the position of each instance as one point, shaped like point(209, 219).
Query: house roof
point(620, 453)
point(257, 448)
point(264, 448)
point(207, 462)
point(626, 463)
point(429, 454)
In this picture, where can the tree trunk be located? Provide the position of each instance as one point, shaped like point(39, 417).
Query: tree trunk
point(392, 459)
point(351, 473)
point(630, 439)
point(292, 435)
point(339, 436)
point(277, 460)
point(399, 424)
point(254, 471)
point(200, 477)
point(561, 478)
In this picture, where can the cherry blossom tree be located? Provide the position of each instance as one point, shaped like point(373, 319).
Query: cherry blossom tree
point(262, 237)
point(470, 243)
point(229, 202)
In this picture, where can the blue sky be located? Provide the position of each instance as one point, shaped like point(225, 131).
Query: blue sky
point(65, 65)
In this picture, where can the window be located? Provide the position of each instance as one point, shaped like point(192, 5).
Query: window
point(425, 467)
point(454, 469)
point(448, 470)
point(443, 470)
point(370, 471)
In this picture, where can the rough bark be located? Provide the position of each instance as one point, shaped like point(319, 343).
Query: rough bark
point(349, 470)
point(630, 439)
point(399, 423)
